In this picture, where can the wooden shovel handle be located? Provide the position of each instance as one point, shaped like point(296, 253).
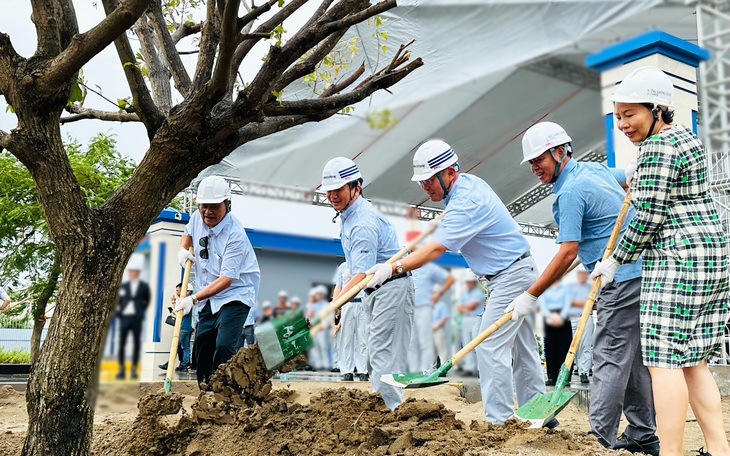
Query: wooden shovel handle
point(494, 326)
point(588, 306)
point(349, 294)
point(178, 319)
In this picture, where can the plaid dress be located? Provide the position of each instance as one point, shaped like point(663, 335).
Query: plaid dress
point(684, 296)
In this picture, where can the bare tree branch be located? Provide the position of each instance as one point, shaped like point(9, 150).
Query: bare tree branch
point(254, 13)
point(81, 113)
point(184, 30)
point(345, 83)
point(208, 44)
point(55, 24)
point(172, 57)
point(229, 30)
point(86, 45)
point(143, 104)
point(309, 64)
point(8, 57)
point(157, 72)
point(337, 102)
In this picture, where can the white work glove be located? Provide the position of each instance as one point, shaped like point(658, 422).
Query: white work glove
point(521, 306)
point(381, 272)
point(629, 171)
point(183, 255)
point(606, 269)
point(185, 304)
point(346, 276)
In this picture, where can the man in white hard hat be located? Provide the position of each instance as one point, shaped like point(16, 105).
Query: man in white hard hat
point(471, 308)
point(368, 238)
point(134, 297)
point(477, 223)
point(226, 275)
point(588, 200)
point(351, 332)
point(578, 292)
point(319, 354)
point(421, 354)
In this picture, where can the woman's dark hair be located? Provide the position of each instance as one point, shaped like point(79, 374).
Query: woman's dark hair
point(667, 113)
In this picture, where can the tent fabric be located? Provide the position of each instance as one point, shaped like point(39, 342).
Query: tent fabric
point(476, 91)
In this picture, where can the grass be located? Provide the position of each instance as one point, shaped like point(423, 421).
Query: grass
point(15, 356)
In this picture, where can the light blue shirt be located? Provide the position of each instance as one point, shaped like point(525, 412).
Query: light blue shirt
point(3, 294)
point(577, 292)
point(425, 278)
point(337, 279)
point(478, 223)
point(440, 310)
point(475, 294)
point(367, 238)
point(588, 199)
point(554, 299)
point(230, 254)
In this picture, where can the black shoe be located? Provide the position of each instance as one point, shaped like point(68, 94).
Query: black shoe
point(308, 368)
point(584, 378)
point(364, 377)
point(348, 377)
point(133, 375)
point(552, 423)
point(647, 446)
point(702, 452)
point(181, 368)
point(550, 382)
point(163, 366)
point(335, 369)
point(120, 375)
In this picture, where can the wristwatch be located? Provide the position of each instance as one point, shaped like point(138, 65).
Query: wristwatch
point(398, 267)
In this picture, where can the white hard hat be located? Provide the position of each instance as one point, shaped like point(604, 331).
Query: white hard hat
point(213, 190)
point(338, 172)
point(295, 299)
point(321, 289)
point(646, 84)
point(431, 157)
point(541, 137)
point(190, 286)
point(283, 294)
point(266, 304)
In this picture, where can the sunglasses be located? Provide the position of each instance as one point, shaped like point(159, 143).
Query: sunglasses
point(204, 243)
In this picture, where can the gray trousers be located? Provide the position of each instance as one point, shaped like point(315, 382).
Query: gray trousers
point(389, 315)
point(584, 355)
point(510, 355)
point(469, 329)
point(347, 338)
point(421, 355)
point(621, 383)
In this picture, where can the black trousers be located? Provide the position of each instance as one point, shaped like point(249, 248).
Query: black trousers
point(127, 324)
point(557, 344)
point(218, 336)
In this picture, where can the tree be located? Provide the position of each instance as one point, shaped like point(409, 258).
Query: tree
point(215, 116)
point(28, 253)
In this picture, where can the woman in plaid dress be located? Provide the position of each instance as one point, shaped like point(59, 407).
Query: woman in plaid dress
point(684, 299)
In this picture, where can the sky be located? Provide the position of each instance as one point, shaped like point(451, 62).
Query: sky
point(102, 74)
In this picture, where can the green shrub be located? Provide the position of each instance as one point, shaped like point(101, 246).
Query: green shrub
point(14, 356)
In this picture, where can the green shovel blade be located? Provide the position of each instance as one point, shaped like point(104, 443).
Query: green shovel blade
point(283, 338)
point(419, 379)
point(545, 406)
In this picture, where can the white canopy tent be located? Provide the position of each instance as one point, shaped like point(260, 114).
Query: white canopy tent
point(492, 69)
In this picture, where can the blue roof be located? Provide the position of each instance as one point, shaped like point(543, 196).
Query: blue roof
point(654, 41)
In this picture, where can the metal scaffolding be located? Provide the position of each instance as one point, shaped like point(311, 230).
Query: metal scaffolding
point(713, 34)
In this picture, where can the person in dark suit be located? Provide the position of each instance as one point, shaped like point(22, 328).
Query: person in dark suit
point(134, 297)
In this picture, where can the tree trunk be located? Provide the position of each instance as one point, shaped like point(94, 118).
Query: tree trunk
point(61, 391)
point(39, 307)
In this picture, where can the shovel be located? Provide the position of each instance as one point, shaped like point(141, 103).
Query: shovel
point(437, 377)
point(285, 337)
point(544, 406)
point(176, 332)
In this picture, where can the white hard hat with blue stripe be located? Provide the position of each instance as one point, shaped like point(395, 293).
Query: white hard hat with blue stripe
point(431, 157)
point(338, 172)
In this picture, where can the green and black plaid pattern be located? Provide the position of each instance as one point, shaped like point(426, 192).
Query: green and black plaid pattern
point(684, 296)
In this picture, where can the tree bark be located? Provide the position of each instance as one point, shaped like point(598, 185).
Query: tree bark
point(39, 307)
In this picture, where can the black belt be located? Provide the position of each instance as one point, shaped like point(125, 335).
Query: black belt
point(394, 277)
point(521, 257)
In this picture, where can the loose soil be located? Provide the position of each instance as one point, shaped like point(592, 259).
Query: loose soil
point(245, 413)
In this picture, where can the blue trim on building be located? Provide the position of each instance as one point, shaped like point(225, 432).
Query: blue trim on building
point(157, 328)
point(172, 215)
point(694, 121)
point(654, 41)
point(309, 245)
point(610, 148)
